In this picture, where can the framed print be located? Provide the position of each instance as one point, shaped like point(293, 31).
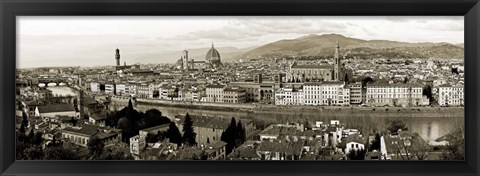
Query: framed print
point(255, 87)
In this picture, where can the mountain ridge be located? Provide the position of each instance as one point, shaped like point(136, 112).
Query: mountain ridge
point(313, 45)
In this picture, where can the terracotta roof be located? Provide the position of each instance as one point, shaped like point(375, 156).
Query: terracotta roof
point(212, 54)
point(56, 108)
point(313, 66)
point(244, 153)
point(86, 130)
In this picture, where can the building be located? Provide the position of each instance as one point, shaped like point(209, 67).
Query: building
point(356, 93)
point(280, 150)
point(56, 110)
point(450, 95)
point(212, 61)
point(309, 73)
point(120, 89)
point(216, 150)
point(185, 62)
point(81, 136)
point(404, 146)
point(95, 86)
point(318, 72)
point(110, 88)
point(154, 130)
point(234, 95)
point(331, 93)
point(117, 56)
point(210, 129)
point(137, 145)
point(354, 142)
point(289, 96)
point(384, 94)
point(143, 90)
point(97, 119)
point(214, 93)
point(246, 151)
point(212, 58)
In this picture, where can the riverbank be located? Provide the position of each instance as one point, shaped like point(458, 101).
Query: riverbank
point(330, 111)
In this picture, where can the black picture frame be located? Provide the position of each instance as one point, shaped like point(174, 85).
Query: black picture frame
point(11, 8)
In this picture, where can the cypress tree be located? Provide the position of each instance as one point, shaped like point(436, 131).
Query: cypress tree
point(24, 120)
point(188, 133)
point(241, 136)
point(173, 134)
point(230, 135)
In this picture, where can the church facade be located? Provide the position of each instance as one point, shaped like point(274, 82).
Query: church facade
point(299, 73)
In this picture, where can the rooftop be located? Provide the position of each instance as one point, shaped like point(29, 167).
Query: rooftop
point(56, 108)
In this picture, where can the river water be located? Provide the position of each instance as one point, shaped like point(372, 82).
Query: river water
point(62, 91)
point(428, 127)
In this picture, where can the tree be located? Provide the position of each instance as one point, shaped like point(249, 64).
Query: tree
point(455, 148)
point(411, 146)
point(356, 154)
point(34, 153)
point(455, 70)
point(188, 133)
point(95, 145)
point(114, 155)
point(427, 91)
point(130, 105)
point(241, 136)
point(22, 129)
point(173, 134)
point(230, 136)
point(376, 142)
point(366, 80)
point(153, 117)
point(397, 125)
point(24, 119)
point(54, 152)
point(31, 135)
point(347, 81)
point(405, 80)
point(127, 128)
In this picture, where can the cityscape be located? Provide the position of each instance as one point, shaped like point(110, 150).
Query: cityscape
point(324, 96)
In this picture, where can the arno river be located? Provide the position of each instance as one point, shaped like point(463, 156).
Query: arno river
point(428, 127)
point(430, 124)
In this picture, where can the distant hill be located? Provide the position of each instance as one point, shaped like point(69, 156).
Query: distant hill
point(324, 46)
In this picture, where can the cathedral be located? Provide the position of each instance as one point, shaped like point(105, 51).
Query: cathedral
point(212, 61)
point(314, 73)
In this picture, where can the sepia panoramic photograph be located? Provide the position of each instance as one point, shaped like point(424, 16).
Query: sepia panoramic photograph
point(240, 88)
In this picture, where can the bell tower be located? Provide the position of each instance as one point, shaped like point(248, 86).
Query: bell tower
point(337, 64)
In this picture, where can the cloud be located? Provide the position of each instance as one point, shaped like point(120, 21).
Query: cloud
point(251, 29)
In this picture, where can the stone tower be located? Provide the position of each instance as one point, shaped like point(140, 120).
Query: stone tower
point(337, 66)
point(80, 103)
point(117, 56)
point(185, 65)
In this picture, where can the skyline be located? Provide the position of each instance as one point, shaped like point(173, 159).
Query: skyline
point(88, 40)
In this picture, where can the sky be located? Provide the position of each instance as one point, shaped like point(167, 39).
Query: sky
point(91, 41)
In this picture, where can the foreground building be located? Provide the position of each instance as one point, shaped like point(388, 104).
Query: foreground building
point(210, 129)
point(81, 136)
